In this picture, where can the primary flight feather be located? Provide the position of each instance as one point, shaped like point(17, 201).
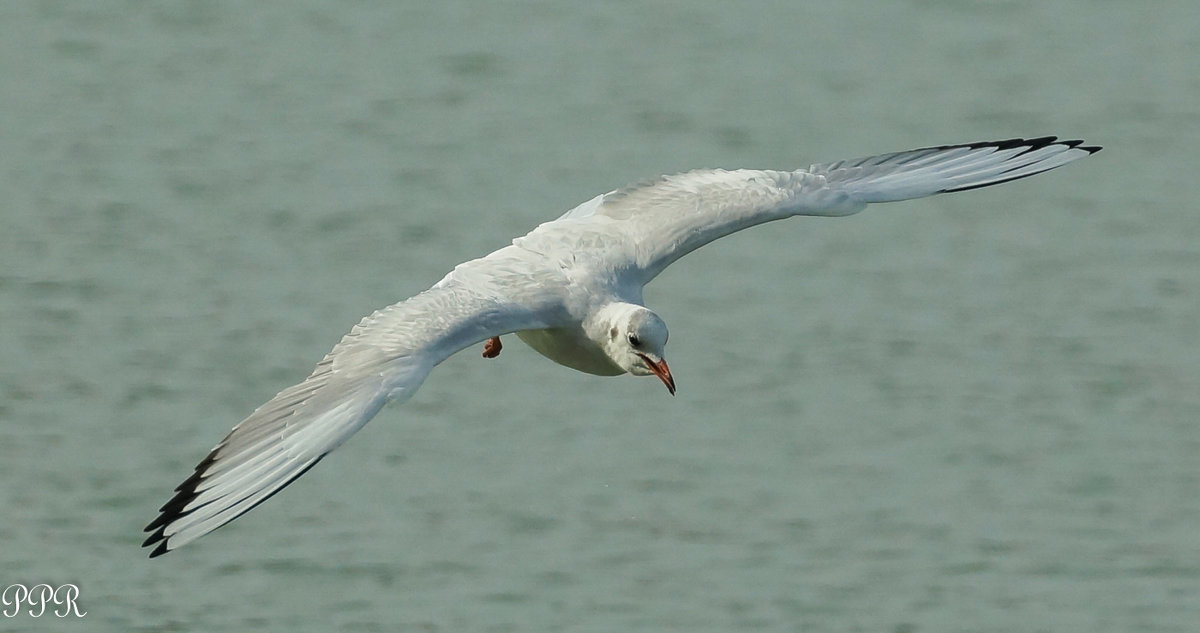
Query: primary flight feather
point(572, 290)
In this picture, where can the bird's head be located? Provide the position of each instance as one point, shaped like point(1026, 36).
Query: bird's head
point(635, 339)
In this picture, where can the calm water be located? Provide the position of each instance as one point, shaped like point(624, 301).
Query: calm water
point(972, 413)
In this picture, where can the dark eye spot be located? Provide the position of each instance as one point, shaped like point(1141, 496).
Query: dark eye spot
point(634, 340)
point(612, 333)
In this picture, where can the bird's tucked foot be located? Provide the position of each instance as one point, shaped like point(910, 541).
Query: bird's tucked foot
point(492, 347)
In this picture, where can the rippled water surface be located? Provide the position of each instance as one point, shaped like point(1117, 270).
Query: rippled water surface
point(976, 412)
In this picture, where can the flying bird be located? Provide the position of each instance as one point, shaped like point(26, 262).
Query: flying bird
point(572, 290)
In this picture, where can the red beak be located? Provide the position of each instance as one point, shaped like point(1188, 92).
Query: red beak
point(661, 370)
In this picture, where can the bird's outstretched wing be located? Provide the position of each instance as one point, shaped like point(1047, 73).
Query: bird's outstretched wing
point(383, 358)
point(667, 218)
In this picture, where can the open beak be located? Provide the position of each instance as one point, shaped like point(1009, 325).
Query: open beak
point(661, 370)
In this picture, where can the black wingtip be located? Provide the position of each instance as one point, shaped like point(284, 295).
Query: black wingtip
point(1029, 143)
point(160, 550)
point(1076, 144)
point(157, 539)
point(174, 508)
point(1008, 143)
point(186, 492)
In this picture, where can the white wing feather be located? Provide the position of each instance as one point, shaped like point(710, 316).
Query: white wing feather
point(667, 218)
point(384, 358)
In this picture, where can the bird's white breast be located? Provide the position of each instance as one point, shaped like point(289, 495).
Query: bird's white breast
point(570, 348)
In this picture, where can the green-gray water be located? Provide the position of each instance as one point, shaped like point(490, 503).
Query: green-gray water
point(975, 412)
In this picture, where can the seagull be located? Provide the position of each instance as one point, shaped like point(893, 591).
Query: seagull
point(572, 290)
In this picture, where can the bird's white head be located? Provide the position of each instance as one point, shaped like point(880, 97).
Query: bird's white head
point(635, 338)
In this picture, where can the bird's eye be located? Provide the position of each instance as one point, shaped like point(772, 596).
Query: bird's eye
point(634, 340)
